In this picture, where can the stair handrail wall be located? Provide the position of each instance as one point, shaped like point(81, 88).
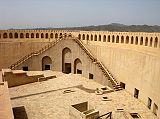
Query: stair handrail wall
point(99, 63)
point(26, 57)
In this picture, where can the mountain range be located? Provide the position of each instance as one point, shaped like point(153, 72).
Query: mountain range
point(115, 27)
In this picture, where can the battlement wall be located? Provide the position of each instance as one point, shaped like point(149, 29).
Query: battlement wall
point(134, 38)
point(31, 34)
point(148, 42)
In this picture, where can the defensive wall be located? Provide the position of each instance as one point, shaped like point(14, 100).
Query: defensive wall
point(132, 57)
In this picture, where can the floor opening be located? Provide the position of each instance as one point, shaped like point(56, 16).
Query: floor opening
point(155, 109)
point(20, 113)
point(136, 93)
point(123, 85)
point(47, 67)
point(79, 71)
point(25, 68)
point(135, 115)
point(149, 103)
point(67, 68)
point(90, 76)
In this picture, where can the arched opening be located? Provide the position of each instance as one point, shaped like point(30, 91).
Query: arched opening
point(87, 37)
point(65, 35)
point(91, 37)
point(60, 35)
point(146, 41)
point(117, 39)
point(122, 39)
point(151, 42)
point(32, 35)
point(99, 37)
point(42, 35)
point(95, 38)
point(77, 66)
point(10, 35)
point(70, 35)
point(136, 42)
point(127, 39)
point(132, 40)
point(5, 35)
point(156, 42)
point(66, 60)
point(109, 38)
point(37, 35)
point(79, 36)
point(113, 39)
point(46, 35)
point(51, 35)
point(46, 63)
point(56, 35)
point(27, 35)
point(21, 35)
point(83, 37)
point(16, 35)
point(141, 41)
point(104, 38)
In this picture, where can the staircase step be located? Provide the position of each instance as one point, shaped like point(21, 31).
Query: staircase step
point(33, 54)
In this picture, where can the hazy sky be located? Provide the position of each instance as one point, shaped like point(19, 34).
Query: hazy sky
point(62, 13)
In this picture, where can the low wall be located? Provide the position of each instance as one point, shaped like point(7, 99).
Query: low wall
point(16, 78)
point(5, 108)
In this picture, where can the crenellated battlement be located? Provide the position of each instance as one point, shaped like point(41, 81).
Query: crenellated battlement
point(35, 34)
point(134, 38)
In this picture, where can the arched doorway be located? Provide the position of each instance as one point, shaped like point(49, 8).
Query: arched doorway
point(77, 66)
point(46, 63)
point(66, 60)
point(5, 35)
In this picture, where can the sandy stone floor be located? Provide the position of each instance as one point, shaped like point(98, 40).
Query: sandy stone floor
point(46, 100)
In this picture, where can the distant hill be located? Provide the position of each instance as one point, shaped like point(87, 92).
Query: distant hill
point(113, 27)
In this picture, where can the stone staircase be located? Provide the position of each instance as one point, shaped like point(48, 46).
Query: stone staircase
point(116, 85)
point(13, 66)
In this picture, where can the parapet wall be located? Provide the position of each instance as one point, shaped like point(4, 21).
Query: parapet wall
point(140, 41)
point(135, 38)
point(6, 107)
point(31, 34)
point(148, 43)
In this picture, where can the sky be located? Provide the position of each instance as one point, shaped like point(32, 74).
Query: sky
point(69, 13)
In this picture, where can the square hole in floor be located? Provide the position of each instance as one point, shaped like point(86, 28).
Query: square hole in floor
point(135, 115)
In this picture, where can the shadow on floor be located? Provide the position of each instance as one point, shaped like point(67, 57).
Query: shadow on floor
point(86, 89)
point(50, 91)
point(20, 113)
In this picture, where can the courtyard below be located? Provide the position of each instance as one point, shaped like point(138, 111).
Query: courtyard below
point(52, 99)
